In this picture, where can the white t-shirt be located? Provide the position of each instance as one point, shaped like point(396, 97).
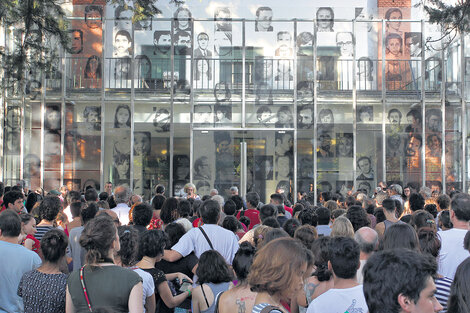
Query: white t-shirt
point(350, 300)
point(68, 212)
point(122, 211)
point(452, 251)
point(224, 241)
point(147, 283)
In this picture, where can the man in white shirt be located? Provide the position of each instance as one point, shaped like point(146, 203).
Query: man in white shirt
point(72, 196)
point(347, 294)
point(121, 196)
point(452, 251)
point(400, 281)
point(368, 241)
point(223, 241)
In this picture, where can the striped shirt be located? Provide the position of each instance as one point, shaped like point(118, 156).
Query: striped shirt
point(443, 291)
point(41, 231)
point(260, 306)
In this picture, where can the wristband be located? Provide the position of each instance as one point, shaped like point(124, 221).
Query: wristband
point(189, 293)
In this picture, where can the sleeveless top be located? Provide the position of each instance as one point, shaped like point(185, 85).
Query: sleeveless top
point(308, 295)
point(216, 289)
point(260, 306)
point(387, 223)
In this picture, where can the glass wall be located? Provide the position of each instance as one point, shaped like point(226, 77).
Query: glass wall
point(220, 96)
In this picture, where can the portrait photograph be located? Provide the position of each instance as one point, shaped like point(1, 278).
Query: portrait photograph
point(392, 25)
point(162, 120)
point(142, 143)
point(264, 167)
point(223, 22)
point(203, 114)
point(223, 114)
point(92, 118)
point(325, 19)
point(344, 145)
point(265, 116)
point(93, 67)
point(121, 166)
point(122, 116)
point(264, 17)
point(413, 44)
point(52, 120)
point(202, 169)
point(182, 19)
point(13, 118)
point(76, 39)
point(284, 167)
point(284, 117)
point(93, 16)
point(365, 168)
point(122, 44)
point(284, 45)
point(325, 146)
point(365, 114)
point(161, 42)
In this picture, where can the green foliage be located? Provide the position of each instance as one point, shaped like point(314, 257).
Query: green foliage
point(453, 17)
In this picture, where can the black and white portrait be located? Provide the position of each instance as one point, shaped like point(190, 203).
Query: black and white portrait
point(13, 120)
point(305, 117)
point(326, 120)
point(413, 145)
point(434, 120)
point(162, 42)
point(93, 16)
point(202, 169)
point(203, 114)
point(264, 17)
point(394, 143)
point(183, 43)
point(123, 17)
point(304, 93)
point(413, 45)
point(52, 120)
point(222, 20)
point(223, 114)
point(362, 14)
point(393, 25)
point(284, 117)
point(394, 117)
point(122, 44)
point(76, 36)
point(222, 93)
point(144, 24)
point(182, 20)
point(142, 143)
point(325, 19)
point(264, 167)
point(32, 166)
point(264, 115)
point(344, 145)
point(93, 67)
point(364, 167)
point(121, 166)
point(364, 186)
point(284, 167)
point(162, 119)
point(202, 51)
point(284, 143)
point(345, 43)
point(181, 167)
point(284, 45)
point(305, 44)
point(92, 117)
point(222, 142)
point(343, 186)
point(365, 69)
point(365, 114)
point(203, 71)
point(52, 138)
point(393, 46)
point(122, 116)
point(223, 43)
point(324, 149)
point(203, 188)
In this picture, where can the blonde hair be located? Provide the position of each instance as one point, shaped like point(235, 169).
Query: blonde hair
point(342, 227)
point(189, 185)
point(259, 234)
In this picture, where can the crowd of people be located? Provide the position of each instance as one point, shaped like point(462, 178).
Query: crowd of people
point(114, 252)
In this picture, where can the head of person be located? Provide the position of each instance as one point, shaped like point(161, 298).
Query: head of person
point(279, 268)
point(358, 217)
point(252, 200)
point(14, 200)
point(142, 214)
point(152, 243)
point(307, 234)
point(210, 211)
point(10, 224)
point(305, 39)
point(49, 208)
point(91, 194)
point(169, 210)
point(54, 245)
point(122, 117)
point(123, 43)
point(323, 215)
point(393, 43)
point(88, 212)
point(93, 69)
point(344, 257)
point(444, 220)
point(460, 208)
point(416, 202)
point(129, 241)
point(189, 189)
point(264, 16)
point(182, 17)
point(100, 239)
point(429, 242)
point(368, 239)
point(212, 268)
point(76, 41)
point(122, 194)
point(325, 19)
point(393, 14)
point(290, 226)
point(423, 219)
point(242, 261)
point(342, 227)
point(394, 117)
point(400, 280)
point(174, 231)
point(93, 16)
point(345, 42)
point(162, 40)
point(400, 236)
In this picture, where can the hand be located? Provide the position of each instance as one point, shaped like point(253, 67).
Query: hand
point(181, 277)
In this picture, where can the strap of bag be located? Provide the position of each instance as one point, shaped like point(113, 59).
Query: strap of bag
point(207, 238)
point(269, 308)
point(82, 280)
point(217, 302)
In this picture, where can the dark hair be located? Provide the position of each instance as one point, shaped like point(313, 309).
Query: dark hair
point(267, 210)
point(242, 261)
point(72, 196)
point(97, 238)
point(306, 234)
point(122, 106)
point(466, 241)
point(389, 205)
point(212, 268)
point(231, 223)
point(169, 210)
point(142, 214)
point(31, 200)
point(358, 217)
point(290, 226)
point(76, 208)
point(344, 256)
point(49, 208)
point(461, 206)
point(443, 201)
point(320, 249)
point(53, 245)
point(271, 222)
point(278, 198)
point(157, 202)
point(422, 218)
point(253, 199)
point(245, 220)
point(210, 211)
point(11, 197)
point(230, 207)
point(458, 298)
point(273, 234)
point(323, 216)
point(88, 73)
point(26, 217)
point(444, 218)
point(389, 273)
point(429, 241)
point(174, 231)
point(91, 194)
point(10, 223)
point(129, 240)
point(308, 217)
point(103, 196)
point(151, 243)
point(400, 236)
point(416, 202)
point(379, 215)
point(89, 212)
point(431, 208)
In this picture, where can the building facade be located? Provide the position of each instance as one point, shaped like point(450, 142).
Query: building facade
point(260, 95)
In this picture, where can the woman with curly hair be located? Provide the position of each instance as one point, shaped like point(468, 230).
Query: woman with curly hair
point(215, 277)
point(277, 273)
point(169, 211)
point(127, 257)
point(48, 211)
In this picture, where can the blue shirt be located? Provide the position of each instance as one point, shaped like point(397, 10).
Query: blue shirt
point(15, 260)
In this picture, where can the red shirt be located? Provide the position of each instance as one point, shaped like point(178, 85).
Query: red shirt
point(253, 215)
point(197, 222)
point(288, 209)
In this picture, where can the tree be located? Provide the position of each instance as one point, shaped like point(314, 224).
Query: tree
point(453, 17)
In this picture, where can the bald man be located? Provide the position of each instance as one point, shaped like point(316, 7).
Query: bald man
point(368, 241)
